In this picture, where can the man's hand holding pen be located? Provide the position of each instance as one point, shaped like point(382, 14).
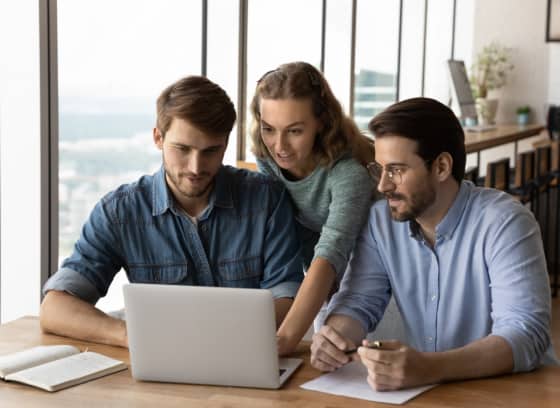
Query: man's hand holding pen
point(395, 365)
point(391, 365)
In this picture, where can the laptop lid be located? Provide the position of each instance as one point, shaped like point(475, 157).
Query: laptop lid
point(204, 335)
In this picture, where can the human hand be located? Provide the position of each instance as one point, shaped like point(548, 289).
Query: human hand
point(327, 349)
point(394, 366)
point(124, 334)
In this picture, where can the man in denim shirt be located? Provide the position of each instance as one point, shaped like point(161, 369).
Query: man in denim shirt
point(465, 264)
point(194, 222)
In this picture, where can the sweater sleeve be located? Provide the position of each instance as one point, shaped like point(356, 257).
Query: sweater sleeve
point(351, 197)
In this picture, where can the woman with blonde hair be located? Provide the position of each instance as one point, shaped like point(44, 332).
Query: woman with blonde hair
point(302, 137)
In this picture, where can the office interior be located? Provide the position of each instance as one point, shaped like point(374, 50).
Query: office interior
point(78, 83)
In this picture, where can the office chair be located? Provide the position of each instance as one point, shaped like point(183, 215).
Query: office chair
point(471, 174)
point(553, 122)
point(497, 175)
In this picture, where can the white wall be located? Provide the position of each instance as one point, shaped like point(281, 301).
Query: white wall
point(519, 24)
point(554, 73)
point(20, 188)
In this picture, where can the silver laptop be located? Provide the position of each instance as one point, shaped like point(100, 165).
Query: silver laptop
point(204, 335)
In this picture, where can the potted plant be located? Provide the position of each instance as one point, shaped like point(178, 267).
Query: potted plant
point(523, 115)
point(489, 71)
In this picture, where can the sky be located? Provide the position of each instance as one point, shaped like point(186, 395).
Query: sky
point(135, 48)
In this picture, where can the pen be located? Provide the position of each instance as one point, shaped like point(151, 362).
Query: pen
point(372, 344)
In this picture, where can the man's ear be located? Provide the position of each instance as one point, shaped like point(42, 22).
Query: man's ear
point(158, 138)
point(444, 166)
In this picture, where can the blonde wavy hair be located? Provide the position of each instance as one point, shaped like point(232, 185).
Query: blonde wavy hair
point(300, 80)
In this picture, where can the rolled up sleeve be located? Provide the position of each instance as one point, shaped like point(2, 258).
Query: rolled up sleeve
point(520, 289)
point(88, 272)
point(69, 281)
point(352, 195)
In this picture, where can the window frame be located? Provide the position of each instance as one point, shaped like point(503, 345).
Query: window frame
point(49, 103)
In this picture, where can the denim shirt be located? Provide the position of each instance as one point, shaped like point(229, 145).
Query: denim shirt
point(246, 238)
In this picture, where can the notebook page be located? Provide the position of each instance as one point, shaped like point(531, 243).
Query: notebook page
point(350, 381)
point(20, 360)
point(68, 371)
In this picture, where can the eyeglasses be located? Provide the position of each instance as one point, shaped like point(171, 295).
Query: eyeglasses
point(394, 173)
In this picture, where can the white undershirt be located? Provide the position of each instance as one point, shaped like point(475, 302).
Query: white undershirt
point(194, 220)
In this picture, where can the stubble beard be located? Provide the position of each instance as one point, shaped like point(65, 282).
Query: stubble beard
point(417, 203)
point(175, 179)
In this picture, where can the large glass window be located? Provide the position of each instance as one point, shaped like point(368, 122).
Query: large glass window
point(412, 49)
point(439, 30)
point(338, 49)
point(280, 32)
point(464, 30)
point(222, 53)
point(377, 25)
point(115, 57)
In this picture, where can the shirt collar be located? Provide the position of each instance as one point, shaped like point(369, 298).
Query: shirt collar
point(447, 226)
point(161, 196)
point(220, 196)
point(450, 221)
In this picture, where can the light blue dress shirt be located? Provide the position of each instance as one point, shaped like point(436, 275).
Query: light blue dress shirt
point(245, 238)
point(486, 275)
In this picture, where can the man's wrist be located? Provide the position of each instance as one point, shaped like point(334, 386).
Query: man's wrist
point(124, 335)
point(116, 334)
point(436, 367)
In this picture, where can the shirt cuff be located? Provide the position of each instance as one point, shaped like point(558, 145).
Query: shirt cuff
point(72, 282)
point(338, 262)
point(286, 289)
point(525, 356)
point(346, 311)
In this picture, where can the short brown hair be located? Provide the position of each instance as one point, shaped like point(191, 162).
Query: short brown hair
point(431, 124)
point(199, 101)
point(300, 80)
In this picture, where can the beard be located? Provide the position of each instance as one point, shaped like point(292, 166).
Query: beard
point(416, 203)
point(181, 183)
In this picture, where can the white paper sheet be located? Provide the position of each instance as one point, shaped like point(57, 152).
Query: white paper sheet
point(350, 381)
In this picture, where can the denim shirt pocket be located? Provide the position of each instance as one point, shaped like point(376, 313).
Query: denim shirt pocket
point(175, 273)
point(241, 273)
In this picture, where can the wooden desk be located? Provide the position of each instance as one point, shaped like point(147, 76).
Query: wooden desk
point(503, 134)
point(538, 389)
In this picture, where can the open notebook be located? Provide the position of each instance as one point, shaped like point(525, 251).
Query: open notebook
point(53, 368)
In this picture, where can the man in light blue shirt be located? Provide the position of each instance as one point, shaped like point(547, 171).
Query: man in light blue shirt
point(465, 264)
point(194, 222)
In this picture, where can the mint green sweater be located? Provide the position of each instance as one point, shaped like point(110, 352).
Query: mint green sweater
point(332, 204)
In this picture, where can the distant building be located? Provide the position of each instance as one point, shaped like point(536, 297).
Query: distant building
point(373, 92)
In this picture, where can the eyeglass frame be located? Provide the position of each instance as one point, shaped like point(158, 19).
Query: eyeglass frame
point(391, 173)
